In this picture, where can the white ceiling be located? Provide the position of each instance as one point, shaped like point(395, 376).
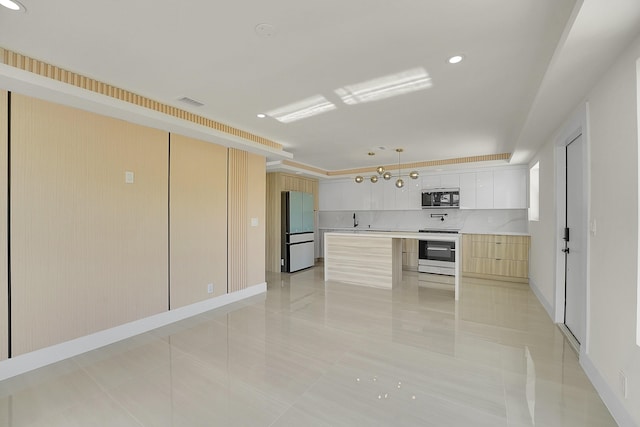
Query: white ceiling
point(527, 65)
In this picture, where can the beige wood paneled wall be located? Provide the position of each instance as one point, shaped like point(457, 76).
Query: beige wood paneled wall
point(256, 207)
point(32, 65)
point(278, 182)
point(4, 307)
point(198, 220)
point(88, 251)
point(238, 186)
point(246, 200)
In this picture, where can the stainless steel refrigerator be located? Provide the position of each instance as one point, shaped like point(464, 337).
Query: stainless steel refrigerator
point(297, 231)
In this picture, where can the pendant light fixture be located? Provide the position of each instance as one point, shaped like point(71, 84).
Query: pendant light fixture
point(386, 175)
point(399, 181)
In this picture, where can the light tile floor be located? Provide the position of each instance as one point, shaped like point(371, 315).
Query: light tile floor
point(314, 354)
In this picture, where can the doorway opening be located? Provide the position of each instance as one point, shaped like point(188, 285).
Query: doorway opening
point(572, 237)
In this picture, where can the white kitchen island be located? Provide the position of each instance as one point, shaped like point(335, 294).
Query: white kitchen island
point(375, 258)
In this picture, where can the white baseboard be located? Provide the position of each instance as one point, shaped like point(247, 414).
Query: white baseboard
point(608, 396)
point(55, 353)
point(546, 304)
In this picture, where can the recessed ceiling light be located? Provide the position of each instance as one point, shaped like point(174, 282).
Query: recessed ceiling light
point(262, 116)
point(13, 5)
point(455, 59)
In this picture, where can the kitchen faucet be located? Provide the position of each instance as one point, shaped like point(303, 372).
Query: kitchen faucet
point(355, 221)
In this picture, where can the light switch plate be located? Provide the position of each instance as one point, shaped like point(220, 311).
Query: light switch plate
point(254, 222)
point(128, 177)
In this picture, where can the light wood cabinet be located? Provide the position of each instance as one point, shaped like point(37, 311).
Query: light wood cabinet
point(500, 257)
point(277, 182)
point(410, 254)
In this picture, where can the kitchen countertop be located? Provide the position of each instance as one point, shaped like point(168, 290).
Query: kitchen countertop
point(402, 234)
point(421, 235)
point(498, 233)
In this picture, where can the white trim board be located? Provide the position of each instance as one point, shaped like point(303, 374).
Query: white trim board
point(608, 396)
point(55, 353)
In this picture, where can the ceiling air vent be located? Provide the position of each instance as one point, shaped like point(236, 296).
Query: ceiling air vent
point(190, 101)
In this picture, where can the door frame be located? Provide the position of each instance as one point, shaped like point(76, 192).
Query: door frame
point(577, 125)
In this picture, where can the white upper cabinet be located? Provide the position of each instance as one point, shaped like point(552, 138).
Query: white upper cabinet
point(441, 181)
point(468, 190)
point(489, 188)
point(330, 195)
point(355, 197)
point(510, 189)
point(450, 180)
point(409, 197)
point(484, 190)
point(389, 193)
point(494, 189)
point(431, 181)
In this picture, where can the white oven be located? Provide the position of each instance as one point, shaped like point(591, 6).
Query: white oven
point(437, 257)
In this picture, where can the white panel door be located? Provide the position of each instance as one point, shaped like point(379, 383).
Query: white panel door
point(484, 190)
point(576, 256)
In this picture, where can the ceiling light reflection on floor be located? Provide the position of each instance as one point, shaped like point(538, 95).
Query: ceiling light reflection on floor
point(302, 109)
point(379, 88)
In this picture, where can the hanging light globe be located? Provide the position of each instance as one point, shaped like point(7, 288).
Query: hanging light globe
point(359, 179)
point(399, 183)
point(380, 170)
point(413, 174)
point(387, 175)
point(374, 178)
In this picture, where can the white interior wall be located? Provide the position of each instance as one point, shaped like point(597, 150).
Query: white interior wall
point(612, 137)
point(542, 256)
point(613, 130)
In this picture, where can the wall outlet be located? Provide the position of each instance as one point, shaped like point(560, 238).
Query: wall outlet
point(128, 177)
point(624, 386)
point(210, 288)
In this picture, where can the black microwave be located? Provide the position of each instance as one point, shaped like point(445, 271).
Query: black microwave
point(441, 198)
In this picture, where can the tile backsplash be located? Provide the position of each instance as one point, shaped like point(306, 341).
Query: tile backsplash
point(465, 220)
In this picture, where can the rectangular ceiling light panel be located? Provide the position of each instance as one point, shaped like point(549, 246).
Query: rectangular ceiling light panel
point(302, 109)
point(385, 87)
